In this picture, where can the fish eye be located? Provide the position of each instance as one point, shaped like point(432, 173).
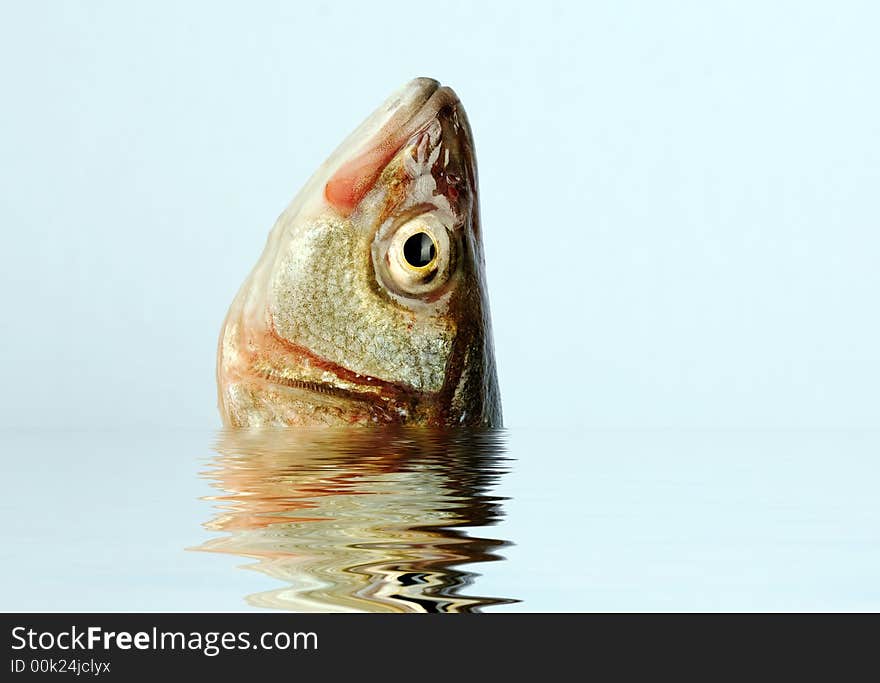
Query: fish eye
point(413, 258)
point(419, 250)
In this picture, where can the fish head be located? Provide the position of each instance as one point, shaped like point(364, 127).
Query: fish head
point(369, 303)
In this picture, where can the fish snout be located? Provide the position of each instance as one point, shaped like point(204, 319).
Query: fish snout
point(422, 116)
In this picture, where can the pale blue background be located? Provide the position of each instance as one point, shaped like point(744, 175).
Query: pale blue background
point(681, 204)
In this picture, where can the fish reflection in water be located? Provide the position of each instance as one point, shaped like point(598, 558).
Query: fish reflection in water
point(359, 520)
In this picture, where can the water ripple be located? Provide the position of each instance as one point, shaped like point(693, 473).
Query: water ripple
point(360, 520)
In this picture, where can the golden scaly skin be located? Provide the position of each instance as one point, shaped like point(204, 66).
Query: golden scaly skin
point(341, 322)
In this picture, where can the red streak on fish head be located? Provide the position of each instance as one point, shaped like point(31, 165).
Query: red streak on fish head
point(354, 178)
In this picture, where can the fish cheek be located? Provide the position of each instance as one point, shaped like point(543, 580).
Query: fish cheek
point(324, 298)
point(313, 277)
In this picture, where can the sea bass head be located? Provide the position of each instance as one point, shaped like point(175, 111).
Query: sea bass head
point(368, 304)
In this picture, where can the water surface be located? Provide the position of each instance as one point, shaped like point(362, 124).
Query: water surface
point(359, 520)
point(539, 520)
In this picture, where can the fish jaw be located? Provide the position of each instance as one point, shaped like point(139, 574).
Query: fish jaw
point(320, 334)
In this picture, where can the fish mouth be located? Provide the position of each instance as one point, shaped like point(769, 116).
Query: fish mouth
point(405, 104)
point(403, 113)
point(361, 157)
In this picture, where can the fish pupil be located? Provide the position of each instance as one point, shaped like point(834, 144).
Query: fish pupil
point(419, 250)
